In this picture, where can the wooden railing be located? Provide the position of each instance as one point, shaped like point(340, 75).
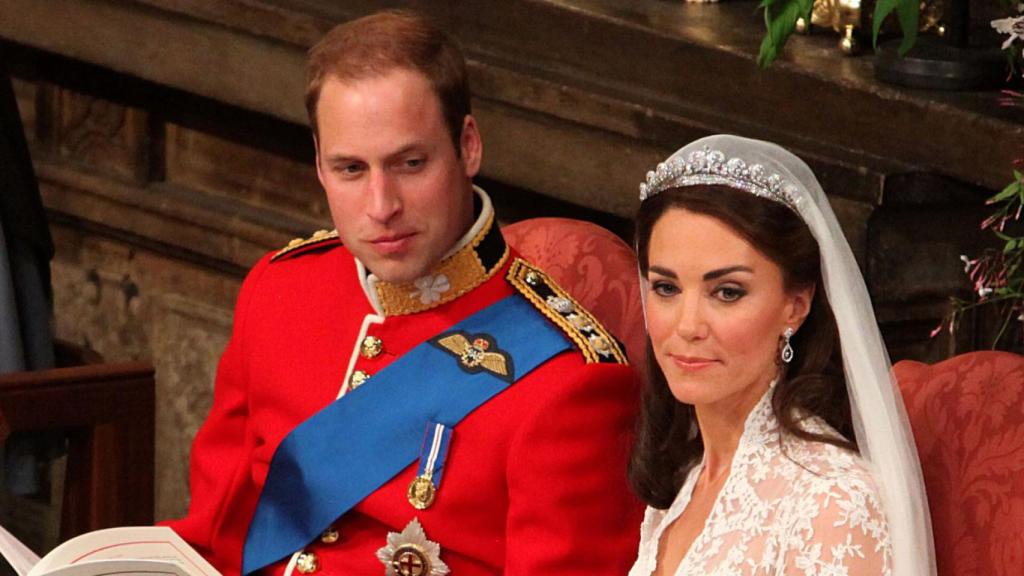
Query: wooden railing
point(107, 412)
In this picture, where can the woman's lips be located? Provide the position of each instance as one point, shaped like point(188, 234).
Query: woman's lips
point(692, 363)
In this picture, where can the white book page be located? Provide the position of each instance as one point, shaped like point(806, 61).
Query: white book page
point(120, 567)
point(154, 543)
point(17, 554)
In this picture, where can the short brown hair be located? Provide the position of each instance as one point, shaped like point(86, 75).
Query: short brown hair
point(374, 45)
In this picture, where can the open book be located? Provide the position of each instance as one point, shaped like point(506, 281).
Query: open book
point(150, 550)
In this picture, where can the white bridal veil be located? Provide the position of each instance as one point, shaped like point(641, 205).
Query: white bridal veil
point(879, 419)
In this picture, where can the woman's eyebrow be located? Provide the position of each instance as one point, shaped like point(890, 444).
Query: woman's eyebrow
point(663, 272)
point(727, 270)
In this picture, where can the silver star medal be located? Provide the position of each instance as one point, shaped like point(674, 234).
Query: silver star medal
point(409, 553)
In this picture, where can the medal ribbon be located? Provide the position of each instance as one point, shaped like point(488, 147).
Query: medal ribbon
point(435, 448)
point(333, 460)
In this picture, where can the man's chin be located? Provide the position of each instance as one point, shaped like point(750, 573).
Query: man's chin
point(397, 272)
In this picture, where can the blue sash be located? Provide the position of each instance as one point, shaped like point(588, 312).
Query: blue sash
point(342, 454)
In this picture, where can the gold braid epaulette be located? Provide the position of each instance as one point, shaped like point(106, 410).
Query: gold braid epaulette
point(317, 237)
point(596, 343)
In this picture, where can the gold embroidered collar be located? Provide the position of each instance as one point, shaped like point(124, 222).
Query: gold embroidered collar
point(463, 270)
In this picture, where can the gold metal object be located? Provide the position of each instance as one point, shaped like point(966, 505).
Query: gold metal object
point(358, 378)
point(411, 560)
point(476, 353)
point(329, 536)
point(410, 553)
point(841, 14)
point(536, 287)
point(317, 237)
point(307, 563)
point(601, 344)
point(371, 347)
point(452, 277)
point(849, 44)
point(421, 492)
point(581, 323)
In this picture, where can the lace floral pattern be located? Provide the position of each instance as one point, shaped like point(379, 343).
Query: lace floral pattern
point(789, 507)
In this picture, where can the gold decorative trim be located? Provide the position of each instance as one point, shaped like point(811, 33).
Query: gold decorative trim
point(317, 237)
point(452, 278)
point(589, 335)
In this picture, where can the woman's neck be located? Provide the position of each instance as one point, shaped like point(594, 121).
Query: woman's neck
point(721, 427)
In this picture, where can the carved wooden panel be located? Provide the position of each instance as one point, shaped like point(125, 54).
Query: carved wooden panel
point(239, 171)
point(104, 136)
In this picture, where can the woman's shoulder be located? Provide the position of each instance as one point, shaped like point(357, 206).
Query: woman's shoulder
point(835, 513)
point(819, 467)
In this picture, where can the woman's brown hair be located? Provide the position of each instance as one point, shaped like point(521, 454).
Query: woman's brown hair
point(668, 442)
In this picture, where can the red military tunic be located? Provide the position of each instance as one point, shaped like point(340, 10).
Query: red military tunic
point(535, 480)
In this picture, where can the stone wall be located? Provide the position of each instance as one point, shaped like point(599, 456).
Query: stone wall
point(154, 223)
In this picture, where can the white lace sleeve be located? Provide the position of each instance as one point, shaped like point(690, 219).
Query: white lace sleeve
point(840, 531)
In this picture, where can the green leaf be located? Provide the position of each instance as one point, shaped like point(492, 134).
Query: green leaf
point(907, 11)
point(780, 18)
point(1012, 189)
point(882, 9)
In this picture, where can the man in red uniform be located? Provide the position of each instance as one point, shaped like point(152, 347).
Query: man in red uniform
point(319, 385)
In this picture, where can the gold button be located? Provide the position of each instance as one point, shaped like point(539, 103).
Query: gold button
point(371, 347)
point(307, 563)
point(357, 379)
point(330, 536)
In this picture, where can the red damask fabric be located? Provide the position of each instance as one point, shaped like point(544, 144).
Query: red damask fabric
point(968, 419)
point(594, 266)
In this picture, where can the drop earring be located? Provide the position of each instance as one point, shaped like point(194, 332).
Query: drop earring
point(787, 349)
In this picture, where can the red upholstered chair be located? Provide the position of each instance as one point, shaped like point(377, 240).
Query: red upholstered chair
point(968, 419)
point(593, 265)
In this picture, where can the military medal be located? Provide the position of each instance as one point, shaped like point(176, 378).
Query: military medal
point(432, 458)
point(409, 553)
point(421, 492)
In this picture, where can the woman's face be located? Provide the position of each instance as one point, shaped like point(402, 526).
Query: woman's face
point(716, 308)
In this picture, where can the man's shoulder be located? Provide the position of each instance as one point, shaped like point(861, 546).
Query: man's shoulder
point(302, 261)
point(320, 241)
point(590, 337)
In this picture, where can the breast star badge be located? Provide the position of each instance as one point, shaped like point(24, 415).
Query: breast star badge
point(409, 553)
point(477, 353)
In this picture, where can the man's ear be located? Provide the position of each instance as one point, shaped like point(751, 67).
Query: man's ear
point(471, 146)
point(800, 301)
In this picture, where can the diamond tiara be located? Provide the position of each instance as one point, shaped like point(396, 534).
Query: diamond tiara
point(712, 167)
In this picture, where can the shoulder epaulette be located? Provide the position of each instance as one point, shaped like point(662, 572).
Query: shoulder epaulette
point(593, 340)
point(318, 237)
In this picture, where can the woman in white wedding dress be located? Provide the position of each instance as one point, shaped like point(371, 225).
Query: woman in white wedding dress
point(773, 440)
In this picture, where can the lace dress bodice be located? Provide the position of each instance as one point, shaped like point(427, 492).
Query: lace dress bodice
point(788, 507)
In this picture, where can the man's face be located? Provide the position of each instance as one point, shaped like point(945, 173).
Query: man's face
point(399, 194)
